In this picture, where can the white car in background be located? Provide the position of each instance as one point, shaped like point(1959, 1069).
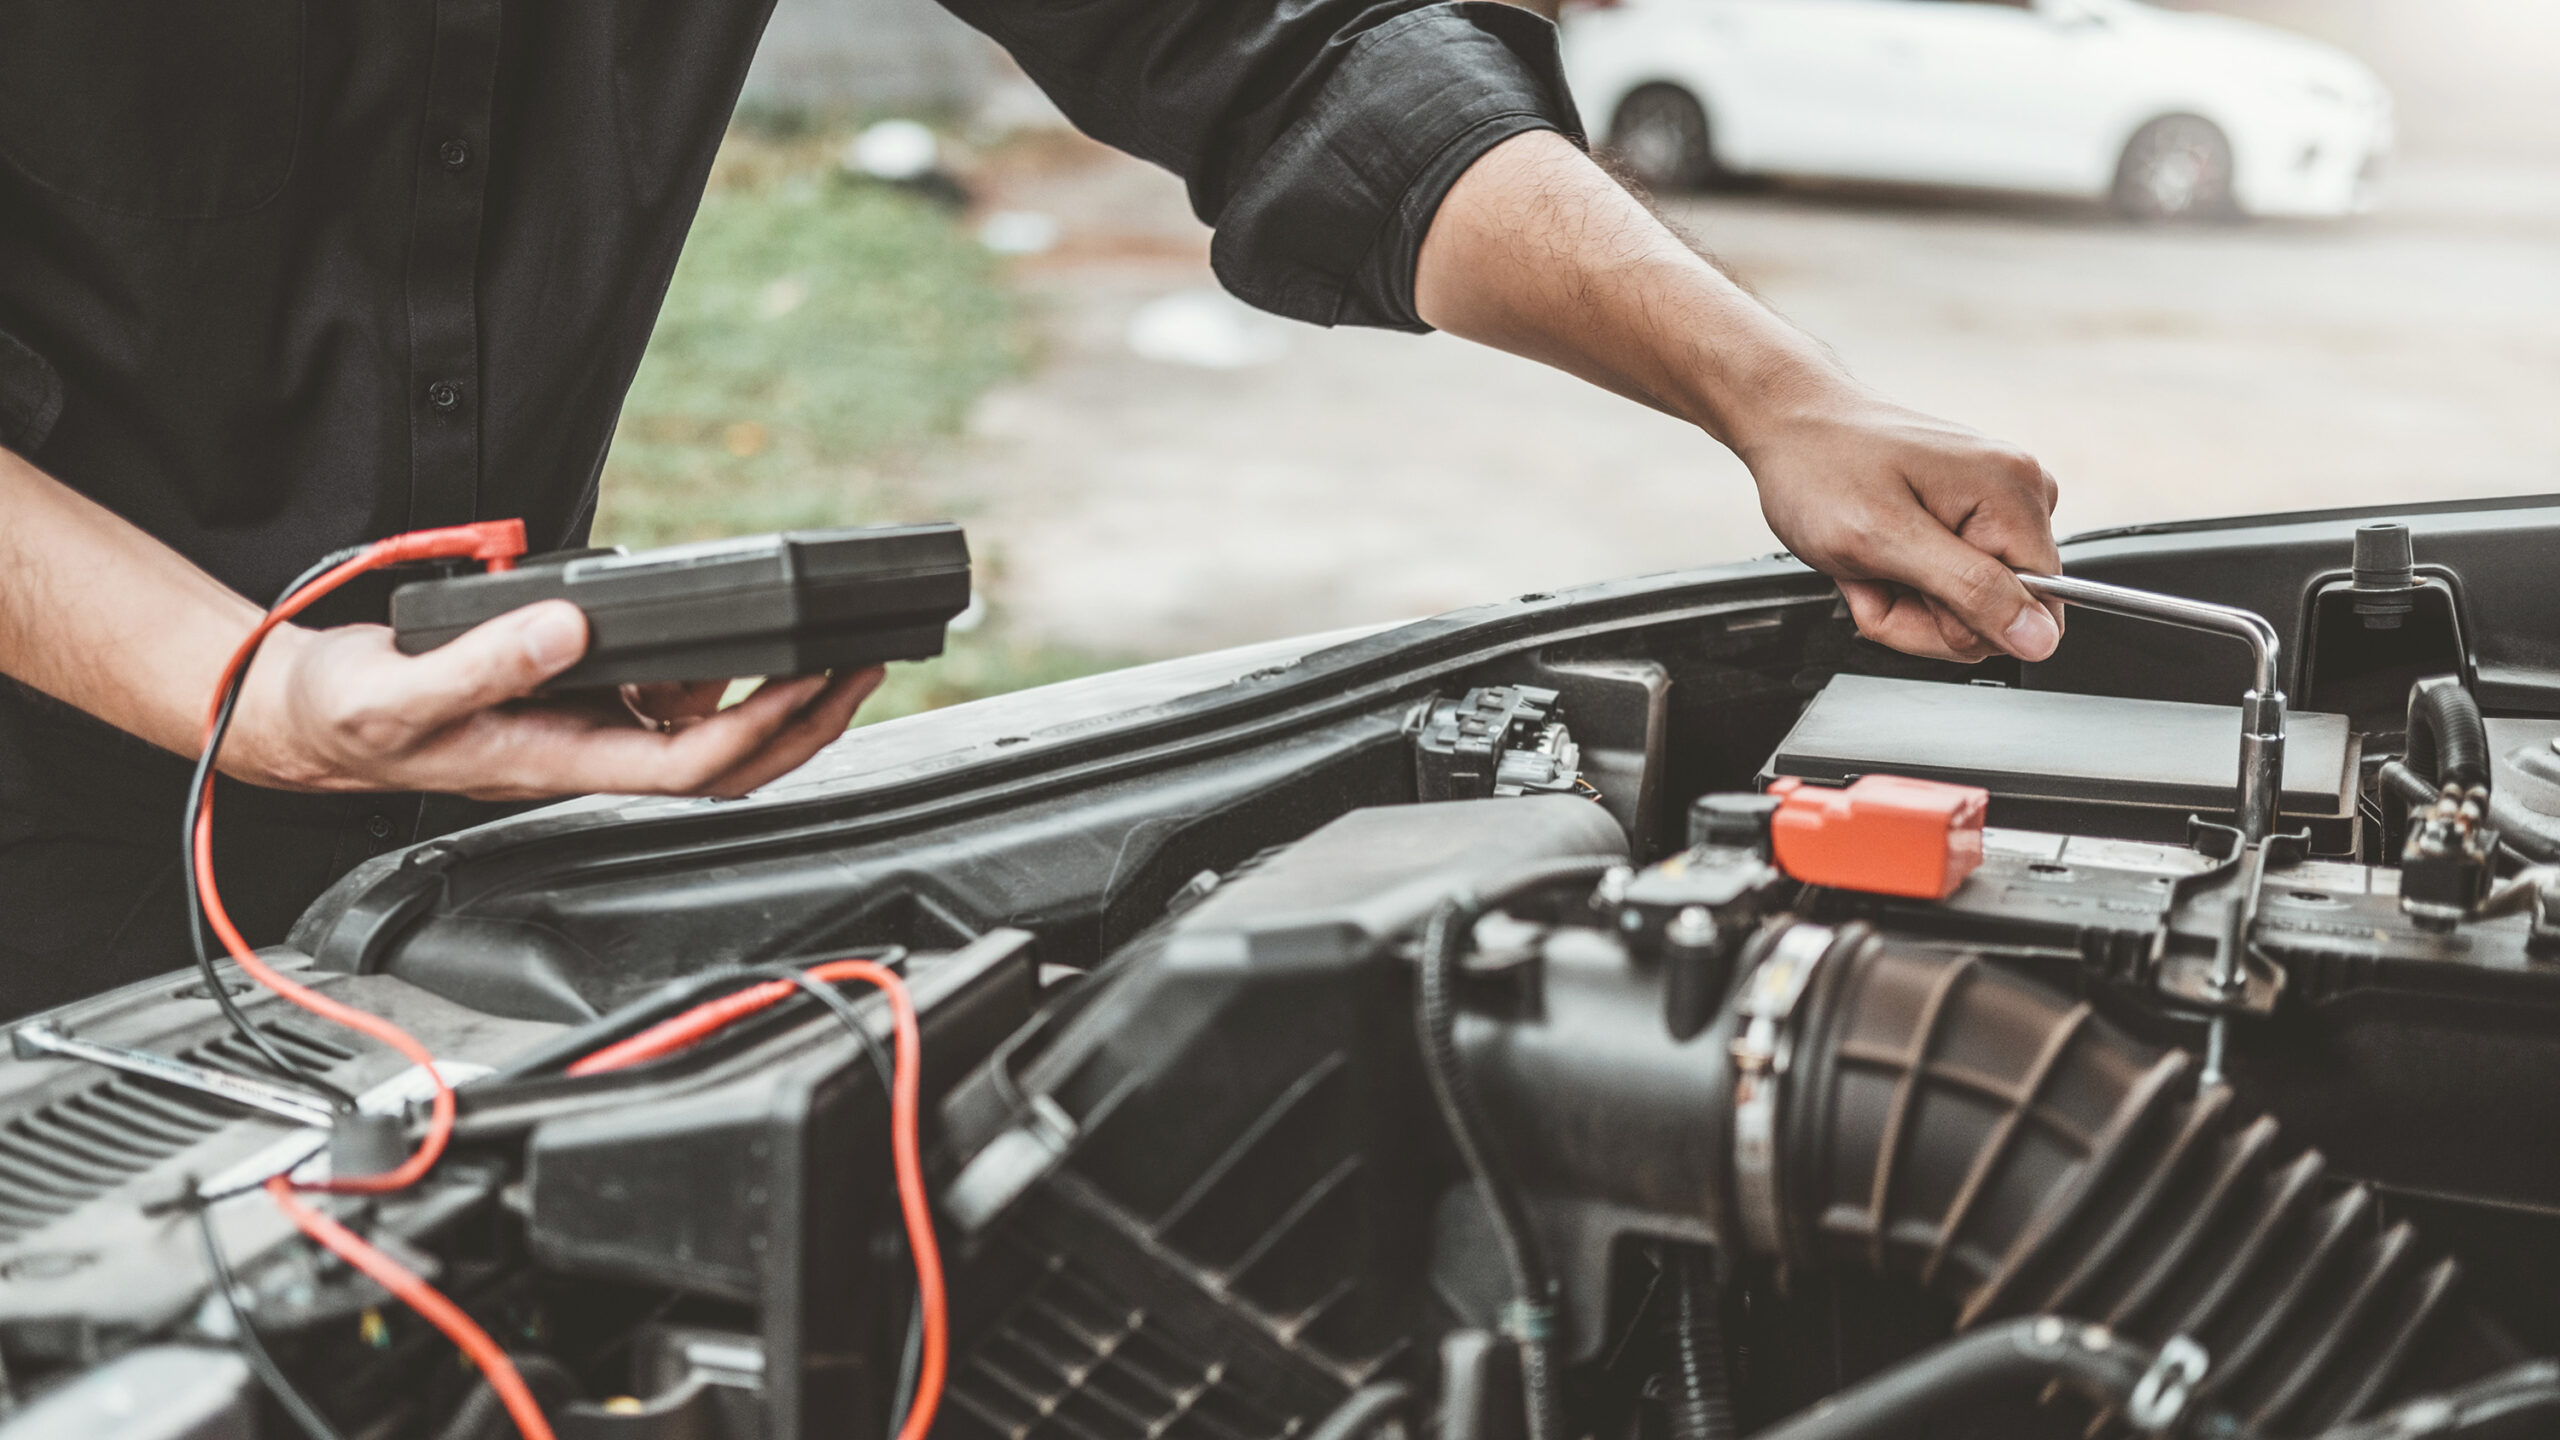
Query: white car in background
point(2169, 115)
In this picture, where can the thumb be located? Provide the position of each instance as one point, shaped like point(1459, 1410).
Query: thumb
point(496, 661)
point(1982, 592)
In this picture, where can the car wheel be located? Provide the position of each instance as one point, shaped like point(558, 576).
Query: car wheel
point(1660, 135)
point(2176, 168)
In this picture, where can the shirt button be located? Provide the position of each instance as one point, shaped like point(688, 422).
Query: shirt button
point(378, 826)
point(444, 395)
point(456, 154)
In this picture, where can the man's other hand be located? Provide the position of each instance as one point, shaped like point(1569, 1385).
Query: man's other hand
point(343, 709)
point(1922, 522)
point(1535, 251)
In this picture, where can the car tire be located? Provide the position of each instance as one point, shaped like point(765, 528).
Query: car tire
point(1660, 137)
point(2177, 168)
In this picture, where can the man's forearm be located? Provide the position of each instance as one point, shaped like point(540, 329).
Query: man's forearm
point(99, 615)
point(1538, 252)
point(1923, 523)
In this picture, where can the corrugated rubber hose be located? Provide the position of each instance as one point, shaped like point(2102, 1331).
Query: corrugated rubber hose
point(2448, 741)
point(1995, 1141)
point(1700, 1405)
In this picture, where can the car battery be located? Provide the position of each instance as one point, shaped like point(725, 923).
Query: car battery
point(2075, 764)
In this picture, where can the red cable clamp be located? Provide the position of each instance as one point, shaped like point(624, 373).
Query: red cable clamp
point(495, 542)
point(1885, 834)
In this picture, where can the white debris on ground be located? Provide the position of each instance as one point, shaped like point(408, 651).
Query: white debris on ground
point(1019, 232)
point(897, 151)
point(1207, 328)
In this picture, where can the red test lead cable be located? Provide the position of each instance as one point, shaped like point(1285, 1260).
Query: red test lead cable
point(495, 543)
point(422, 1297)
point(692, 1026)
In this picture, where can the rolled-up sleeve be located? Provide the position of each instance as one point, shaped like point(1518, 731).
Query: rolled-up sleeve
point(1317, 136)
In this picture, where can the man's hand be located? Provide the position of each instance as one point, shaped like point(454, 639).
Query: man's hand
point(1921, 522)
point(344, 710)
point(99, 615)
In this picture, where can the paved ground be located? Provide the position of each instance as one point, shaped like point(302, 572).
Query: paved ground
point(1146, 506)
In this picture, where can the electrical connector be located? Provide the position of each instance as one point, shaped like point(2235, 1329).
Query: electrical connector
point(1885, 834)
point(495, 543)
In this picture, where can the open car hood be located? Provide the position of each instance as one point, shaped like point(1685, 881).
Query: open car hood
point(1173, 933)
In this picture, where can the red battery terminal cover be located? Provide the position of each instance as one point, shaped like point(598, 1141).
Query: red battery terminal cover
point(1883, 834)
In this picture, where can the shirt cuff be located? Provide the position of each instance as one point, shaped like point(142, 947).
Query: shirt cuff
point(1328, 224)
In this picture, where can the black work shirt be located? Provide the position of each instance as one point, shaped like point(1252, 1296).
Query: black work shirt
point(279, 277)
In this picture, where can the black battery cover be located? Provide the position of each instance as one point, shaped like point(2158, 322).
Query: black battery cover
point(789, 604)
point(2078, 764)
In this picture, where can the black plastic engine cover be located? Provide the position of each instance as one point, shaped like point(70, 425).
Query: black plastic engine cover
point(762, 1184)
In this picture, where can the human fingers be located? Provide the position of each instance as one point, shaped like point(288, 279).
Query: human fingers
point(343, 709)
point(574, 748)
point(679, 700)
point(695, 756)
point(498, 660)
point(774, 731)
point(1998, 499)
point(816, 726)
point(1900, 617)
point(1959, 637)
point(1981, 592)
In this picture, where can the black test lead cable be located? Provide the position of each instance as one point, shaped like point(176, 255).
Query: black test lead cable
point(283, 1064)
point(295, 1403)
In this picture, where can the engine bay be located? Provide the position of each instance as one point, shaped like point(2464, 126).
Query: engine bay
point(1644, 1013)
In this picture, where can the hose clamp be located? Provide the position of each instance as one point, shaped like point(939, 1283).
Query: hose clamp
point(1762, 1048)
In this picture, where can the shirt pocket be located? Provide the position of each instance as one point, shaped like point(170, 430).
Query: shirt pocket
point(172, 109)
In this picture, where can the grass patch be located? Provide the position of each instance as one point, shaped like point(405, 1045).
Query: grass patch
point(822, 332)
point(819, 329)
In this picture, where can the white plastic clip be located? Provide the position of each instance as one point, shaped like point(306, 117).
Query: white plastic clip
point(2164, 1390)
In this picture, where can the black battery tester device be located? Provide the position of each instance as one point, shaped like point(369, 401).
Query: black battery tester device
point(788, 604)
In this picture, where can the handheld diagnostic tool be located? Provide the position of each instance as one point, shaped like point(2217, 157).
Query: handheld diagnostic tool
point(788, 604)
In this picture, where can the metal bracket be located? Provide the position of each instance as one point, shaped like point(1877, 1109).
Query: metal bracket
point(2235, 979)
point(299, 1106)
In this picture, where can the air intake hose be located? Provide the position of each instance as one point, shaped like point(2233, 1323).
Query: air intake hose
point(2448, 741)
point(1961, 1125)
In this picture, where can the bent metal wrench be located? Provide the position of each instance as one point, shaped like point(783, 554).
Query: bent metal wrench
point(29, 1042)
